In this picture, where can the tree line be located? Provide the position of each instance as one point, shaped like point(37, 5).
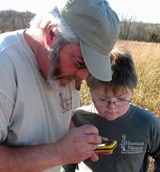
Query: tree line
point(139, 31)
point(11, 20)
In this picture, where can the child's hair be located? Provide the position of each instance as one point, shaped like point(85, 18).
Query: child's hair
point(123, 72)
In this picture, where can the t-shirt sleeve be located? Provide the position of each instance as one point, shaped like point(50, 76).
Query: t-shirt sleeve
point(154, 150)
point(5, 111)
point(7, 94)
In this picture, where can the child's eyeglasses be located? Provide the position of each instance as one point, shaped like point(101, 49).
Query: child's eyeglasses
point(108, 102)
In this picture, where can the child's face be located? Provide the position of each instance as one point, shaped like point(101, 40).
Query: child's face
point(111, 106)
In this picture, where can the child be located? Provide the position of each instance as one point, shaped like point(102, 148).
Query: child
point(136, 130)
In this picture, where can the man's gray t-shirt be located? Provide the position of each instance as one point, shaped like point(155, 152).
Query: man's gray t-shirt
point(31, 111)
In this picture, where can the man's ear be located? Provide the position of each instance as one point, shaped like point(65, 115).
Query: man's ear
point(50, 34)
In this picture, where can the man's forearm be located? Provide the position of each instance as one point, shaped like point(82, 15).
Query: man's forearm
point(33, 158)
point(77, 145)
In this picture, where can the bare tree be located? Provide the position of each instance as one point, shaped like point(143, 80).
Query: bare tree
point(126, 23)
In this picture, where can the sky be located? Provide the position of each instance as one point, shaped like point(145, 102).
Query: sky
point(146, 11)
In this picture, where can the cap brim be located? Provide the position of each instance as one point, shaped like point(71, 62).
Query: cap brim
point(98, 65)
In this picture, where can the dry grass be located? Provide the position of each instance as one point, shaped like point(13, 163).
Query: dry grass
point(147, 61)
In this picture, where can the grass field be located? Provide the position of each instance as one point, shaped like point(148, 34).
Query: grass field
point(147, 61)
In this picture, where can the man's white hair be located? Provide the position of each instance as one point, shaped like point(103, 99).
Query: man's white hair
point(54, 18)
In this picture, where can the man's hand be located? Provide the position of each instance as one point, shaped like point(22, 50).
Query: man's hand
point(79, 144)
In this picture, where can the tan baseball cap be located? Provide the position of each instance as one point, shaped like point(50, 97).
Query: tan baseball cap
point(97, 26)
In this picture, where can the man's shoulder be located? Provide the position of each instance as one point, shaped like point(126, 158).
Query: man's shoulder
point(8, 39)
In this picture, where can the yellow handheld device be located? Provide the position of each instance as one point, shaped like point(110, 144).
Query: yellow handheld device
point(106, 147)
